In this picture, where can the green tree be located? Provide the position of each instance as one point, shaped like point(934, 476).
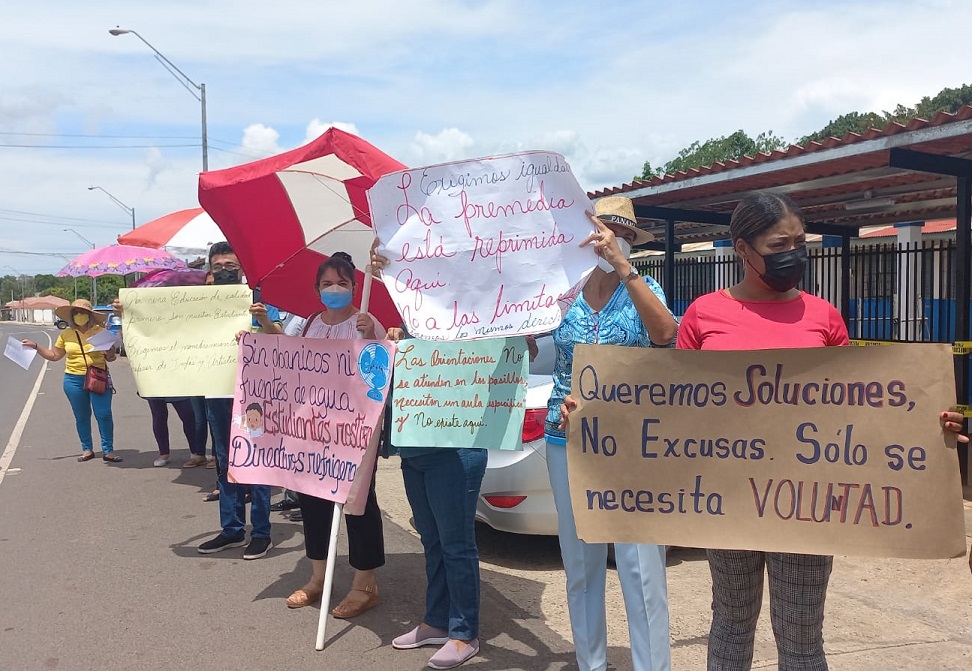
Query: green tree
point(739, 144)
point(108, 286)
point(947, 100)
point(852, 122)
point(44, 283)
point(10, 288)
point(717, 150)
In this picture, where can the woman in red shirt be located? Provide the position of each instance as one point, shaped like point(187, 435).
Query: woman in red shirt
point(765, 310)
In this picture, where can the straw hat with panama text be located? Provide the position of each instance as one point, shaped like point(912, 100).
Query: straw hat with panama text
point(619, 211)
point(64, 312)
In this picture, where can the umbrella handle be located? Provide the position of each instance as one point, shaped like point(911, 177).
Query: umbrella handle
point(366, 291)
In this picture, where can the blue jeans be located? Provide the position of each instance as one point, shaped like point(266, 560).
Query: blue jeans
point(202, 425)
point(442, 489)
point(232, 497)
point(641, 570)
point(82, 401)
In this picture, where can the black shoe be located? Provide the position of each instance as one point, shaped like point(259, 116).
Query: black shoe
point(283, 505)
point(258, 547)
point(219, 543)
point(296, 516)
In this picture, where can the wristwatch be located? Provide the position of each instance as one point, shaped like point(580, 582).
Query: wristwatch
point(633, 275)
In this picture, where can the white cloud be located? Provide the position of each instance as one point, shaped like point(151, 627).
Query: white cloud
point(449, 144)
point(29, 110)
point(317, 127)
point(260, 141)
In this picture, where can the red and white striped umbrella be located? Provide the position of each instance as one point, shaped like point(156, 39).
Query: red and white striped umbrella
point(185, 233)
point(286, 214)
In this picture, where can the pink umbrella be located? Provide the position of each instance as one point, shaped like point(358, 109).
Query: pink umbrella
point(286, 214)
point(172, 278)
point(186, 233)
point(119, 260)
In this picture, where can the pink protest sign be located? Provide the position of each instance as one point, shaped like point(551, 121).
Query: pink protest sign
point(306, 412)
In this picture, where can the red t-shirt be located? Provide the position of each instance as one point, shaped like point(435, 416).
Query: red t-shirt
point(716, 321)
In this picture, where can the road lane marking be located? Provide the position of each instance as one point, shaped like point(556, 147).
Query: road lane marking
point(18, 430)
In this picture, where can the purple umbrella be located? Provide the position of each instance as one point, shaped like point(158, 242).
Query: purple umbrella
point(119, 260)
point(172, 278)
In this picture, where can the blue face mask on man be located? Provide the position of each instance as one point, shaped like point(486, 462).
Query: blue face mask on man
point(335, 297)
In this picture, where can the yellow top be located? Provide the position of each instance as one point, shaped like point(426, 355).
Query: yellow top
point(74, 360)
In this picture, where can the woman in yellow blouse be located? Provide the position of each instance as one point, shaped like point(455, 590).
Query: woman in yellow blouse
point(83, 322)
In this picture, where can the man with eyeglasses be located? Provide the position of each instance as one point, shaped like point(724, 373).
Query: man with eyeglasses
point(225, 268)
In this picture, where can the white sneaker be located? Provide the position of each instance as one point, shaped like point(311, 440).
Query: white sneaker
point(160, 461)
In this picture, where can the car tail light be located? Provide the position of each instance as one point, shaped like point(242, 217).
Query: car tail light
point(533, 423)
point(504, 501)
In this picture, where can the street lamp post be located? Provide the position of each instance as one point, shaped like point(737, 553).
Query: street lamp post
point(182, 79)
point(129, 210)
point(94, 280)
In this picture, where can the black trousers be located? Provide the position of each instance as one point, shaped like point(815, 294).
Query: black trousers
point(366, 540)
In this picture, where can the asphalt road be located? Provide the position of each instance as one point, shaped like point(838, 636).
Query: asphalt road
point(99, 570)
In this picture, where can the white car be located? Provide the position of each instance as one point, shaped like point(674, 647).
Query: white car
point(515, 495)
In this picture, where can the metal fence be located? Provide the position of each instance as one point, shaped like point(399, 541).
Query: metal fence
point(898, 292)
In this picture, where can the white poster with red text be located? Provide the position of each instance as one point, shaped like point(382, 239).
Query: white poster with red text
point(483, 248)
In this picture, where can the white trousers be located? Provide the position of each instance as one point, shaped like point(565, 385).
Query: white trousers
point(641, 570)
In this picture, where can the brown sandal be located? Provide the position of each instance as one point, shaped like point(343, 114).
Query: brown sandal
point(304, 597)
point(349, 608)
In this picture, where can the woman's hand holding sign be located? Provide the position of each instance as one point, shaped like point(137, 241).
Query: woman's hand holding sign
point(606, 245)
point(953, 421)
point(566, 407)
point(366, 326)
point(377, 260)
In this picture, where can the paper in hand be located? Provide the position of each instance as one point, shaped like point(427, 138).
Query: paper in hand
point(102, 341)
point(20, 355)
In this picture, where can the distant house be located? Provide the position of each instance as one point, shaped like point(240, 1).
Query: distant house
point(938, 229)
point(36, 309)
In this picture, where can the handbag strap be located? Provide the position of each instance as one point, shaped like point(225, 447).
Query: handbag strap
point(81, 345)
point(307, 325)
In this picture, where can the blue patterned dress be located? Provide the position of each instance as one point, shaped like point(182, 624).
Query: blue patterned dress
point(617, 323)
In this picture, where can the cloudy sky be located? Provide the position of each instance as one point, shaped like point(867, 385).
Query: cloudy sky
point(607, 84)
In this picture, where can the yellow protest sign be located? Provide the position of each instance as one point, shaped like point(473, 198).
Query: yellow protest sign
point(181, 341)
point(836, 450)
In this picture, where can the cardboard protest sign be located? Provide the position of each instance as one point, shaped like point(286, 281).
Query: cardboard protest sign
point(306, 412)
point(835, 450)
point(460, 394)
point(483, 248)
point(181, 341)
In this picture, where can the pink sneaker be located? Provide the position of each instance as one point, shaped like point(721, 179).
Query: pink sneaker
point(421, 635)
point(450, 656)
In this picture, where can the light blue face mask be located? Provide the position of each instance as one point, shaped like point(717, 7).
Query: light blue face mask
point(336, 298)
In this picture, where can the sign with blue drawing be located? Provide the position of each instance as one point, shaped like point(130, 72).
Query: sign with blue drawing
point(469, 394)
point(373, 367)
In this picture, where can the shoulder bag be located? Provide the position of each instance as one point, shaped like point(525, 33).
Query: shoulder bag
point(95, 379)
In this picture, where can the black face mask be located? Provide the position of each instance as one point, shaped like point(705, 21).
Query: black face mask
point(226, 276)
point(784, 270)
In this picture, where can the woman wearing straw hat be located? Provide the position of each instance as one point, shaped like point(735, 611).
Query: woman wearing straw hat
point(616, 307)
point(83, 322)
